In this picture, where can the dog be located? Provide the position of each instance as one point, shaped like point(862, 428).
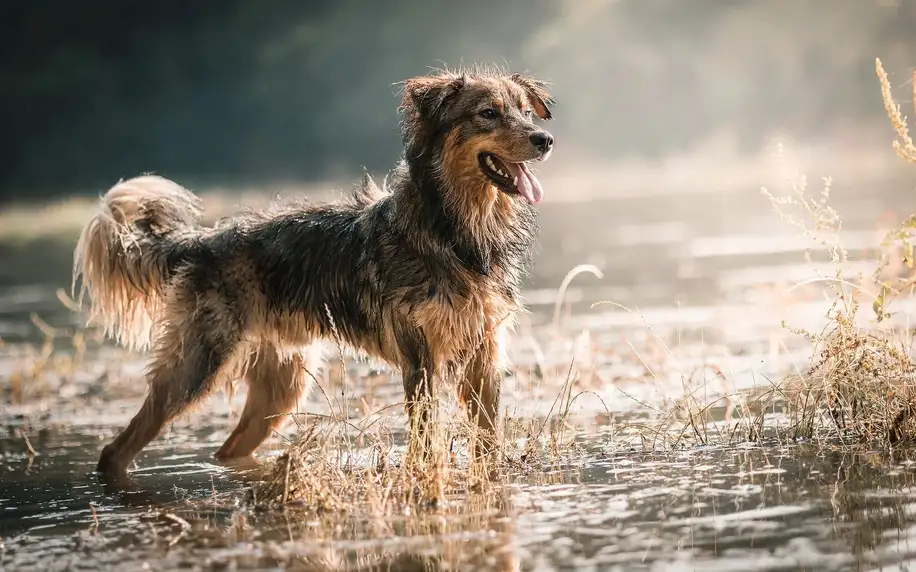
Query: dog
point(423, 273)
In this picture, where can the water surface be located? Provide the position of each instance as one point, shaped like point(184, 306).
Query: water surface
point(708, 275)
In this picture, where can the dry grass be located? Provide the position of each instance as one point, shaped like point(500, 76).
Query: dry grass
point(860, 386)
point(340, 465)
point(326, 473)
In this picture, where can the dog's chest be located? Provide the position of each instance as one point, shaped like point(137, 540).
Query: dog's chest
point(455, 323)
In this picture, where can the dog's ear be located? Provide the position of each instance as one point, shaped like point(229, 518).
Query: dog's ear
point(540, 99)
point(428, 94)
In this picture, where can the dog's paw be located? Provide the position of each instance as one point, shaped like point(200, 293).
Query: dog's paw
point(110, 464)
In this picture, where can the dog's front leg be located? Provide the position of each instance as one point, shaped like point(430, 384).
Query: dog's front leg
point(478, 390)
point(418, 372)
point(418, 390)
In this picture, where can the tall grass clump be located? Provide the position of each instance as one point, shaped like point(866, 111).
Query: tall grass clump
point(860, 386)
point(335, 466)
point(368, 466)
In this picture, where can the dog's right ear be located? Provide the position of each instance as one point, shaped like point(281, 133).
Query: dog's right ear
point(428, 94)
point(537, 92)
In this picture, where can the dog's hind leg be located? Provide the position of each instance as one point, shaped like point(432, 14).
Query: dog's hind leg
point(191, 355)
point(275, 386)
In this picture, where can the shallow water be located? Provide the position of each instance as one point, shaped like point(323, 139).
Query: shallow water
point(703, 272)
point(711, 508)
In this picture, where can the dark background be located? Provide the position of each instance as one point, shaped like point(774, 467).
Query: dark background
point(255, 91)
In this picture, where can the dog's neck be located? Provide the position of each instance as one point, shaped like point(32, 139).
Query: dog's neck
point(483, 228)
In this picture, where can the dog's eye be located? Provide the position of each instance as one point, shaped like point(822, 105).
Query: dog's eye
point(528, 112)
point(489, 114)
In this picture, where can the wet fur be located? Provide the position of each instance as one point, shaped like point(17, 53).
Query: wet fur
point(424, 274)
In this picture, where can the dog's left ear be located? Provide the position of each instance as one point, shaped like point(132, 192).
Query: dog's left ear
point(428, 94)
point(537, 93)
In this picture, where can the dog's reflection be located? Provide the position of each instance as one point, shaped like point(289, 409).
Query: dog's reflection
point(476, 534)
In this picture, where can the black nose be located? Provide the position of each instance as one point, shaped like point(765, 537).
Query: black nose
point(542, 140)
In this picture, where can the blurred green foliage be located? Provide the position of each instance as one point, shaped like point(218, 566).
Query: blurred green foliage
point(247, 91)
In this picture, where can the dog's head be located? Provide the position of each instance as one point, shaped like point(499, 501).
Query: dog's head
point(480, 128)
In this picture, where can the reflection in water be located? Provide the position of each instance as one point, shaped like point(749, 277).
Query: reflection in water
point(772, 508)
point(183, 502)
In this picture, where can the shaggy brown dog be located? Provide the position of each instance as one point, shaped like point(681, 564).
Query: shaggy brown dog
point(424, 274)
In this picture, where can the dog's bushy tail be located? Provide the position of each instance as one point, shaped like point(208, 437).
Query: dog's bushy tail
point(128, 250)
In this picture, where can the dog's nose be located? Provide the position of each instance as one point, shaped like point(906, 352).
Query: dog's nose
point(542, 140)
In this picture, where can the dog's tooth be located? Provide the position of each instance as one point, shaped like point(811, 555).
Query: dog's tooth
point(491, 164)
point(515, 181)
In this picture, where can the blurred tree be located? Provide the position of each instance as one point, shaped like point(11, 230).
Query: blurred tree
point(241, 91)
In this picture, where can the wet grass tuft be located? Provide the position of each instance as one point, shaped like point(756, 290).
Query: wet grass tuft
point(860, 385)
point(343, 465)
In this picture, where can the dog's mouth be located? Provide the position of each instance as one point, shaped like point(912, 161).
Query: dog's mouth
point(511, 178)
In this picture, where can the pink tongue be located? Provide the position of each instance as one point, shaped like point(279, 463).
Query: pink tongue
point(528, 184)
